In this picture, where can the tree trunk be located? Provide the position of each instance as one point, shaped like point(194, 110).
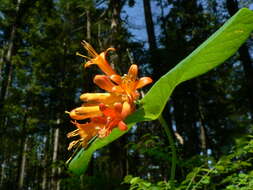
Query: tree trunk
point(23, 165)
point(8, 68)
point(2, 173)
point(203, 132)
point(149, 25)
point(232, 6)
point(156, 65)
point(54, 180)
point(44, 179)
point(115, 7)
point(58, 182)
point(44, 165)
point(1, 62)
point(99, 35)
point(88, 25)
point(8, 65)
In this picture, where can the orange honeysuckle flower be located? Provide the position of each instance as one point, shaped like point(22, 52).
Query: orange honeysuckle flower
point(97, 59)
point(126, 85)
point(115, 117)
point(100, 125)
point(129, 83)
point(104, 82)
point(83, 112)
point(86, 132)
point(106, 98)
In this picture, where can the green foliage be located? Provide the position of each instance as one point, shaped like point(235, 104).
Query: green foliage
point(136, 183)
point(207, 56)
point(231, 172)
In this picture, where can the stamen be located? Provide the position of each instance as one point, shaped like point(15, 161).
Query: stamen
point(89, 48)
point(73, 133)
point(78, 54)
point(74, 143)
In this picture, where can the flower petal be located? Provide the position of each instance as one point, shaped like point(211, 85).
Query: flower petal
point(82, 113)
point(98, 59)
point(102, 64)
point(133, 72)
point(85, 116)
point(116, 78)
point(122, 126)
point(126, 110)
point(99, 120)
point(106, 98)
point(109, 112)
point(118, 89)
point(117, 107)
point(88, 109)
point(143, 82)
point(102, 107)
point(103, 82)
point(135, 95)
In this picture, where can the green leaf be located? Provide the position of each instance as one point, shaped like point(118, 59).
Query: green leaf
point(220, 168)
point(205, 180)
point(214, 51)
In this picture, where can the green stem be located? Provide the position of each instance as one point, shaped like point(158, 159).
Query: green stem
point(173, 149)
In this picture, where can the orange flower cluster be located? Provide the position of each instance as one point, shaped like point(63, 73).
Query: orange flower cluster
point(106, 111)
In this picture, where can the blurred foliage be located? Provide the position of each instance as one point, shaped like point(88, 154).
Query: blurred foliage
point(231, 171)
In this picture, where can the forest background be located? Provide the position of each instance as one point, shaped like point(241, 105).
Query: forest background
point(41, 77)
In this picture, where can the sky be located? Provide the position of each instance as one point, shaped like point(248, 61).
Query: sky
point(136, 20)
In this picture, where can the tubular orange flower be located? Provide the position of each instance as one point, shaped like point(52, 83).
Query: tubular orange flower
point(86, 132)
point(115, 117)
point(106, 98)
point(81, 113)
point(104, 82)
point(97, 59)
point(129, 83)
point(143, 82)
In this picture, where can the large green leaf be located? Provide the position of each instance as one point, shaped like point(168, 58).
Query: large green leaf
point(214, 51)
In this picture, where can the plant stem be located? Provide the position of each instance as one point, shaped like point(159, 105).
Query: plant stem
point(173, 149)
